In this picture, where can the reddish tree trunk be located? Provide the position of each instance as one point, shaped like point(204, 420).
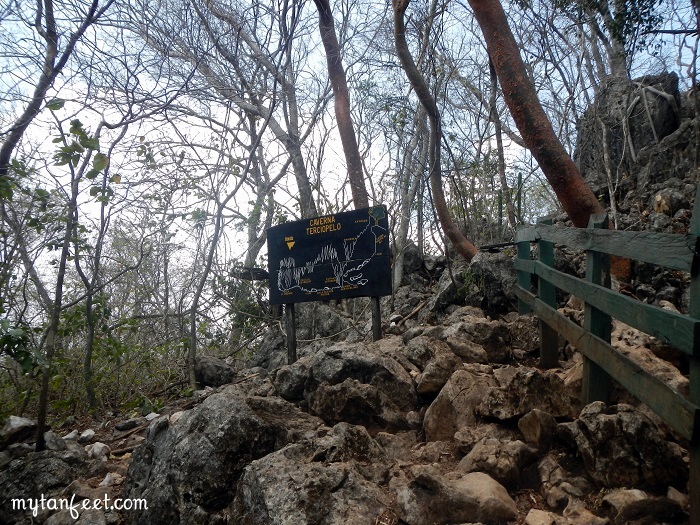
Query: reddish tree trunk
point(519, 93)
point(336, 74)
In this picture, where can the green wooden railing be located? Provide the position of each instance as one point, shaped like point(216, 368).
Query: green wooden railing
point(601, 360)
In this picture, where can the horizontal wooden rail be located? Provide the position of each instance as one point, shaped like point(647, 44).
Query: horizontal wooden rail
point(665, 249)
point(673, 328)
point(601, 361)
point(676, 410)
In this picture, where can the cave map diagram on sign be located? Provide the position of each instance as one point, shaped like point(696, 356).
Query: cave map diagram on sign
point(330, 257)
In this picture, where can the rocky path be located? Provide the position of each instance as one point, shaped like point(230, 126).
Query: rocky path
point(444, 424)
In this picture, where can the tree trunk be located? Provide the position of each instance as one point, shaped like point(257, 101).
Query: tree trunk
point(463, 247)
point(572, 191)
point(336, 74)
point(410, 183)
point(499, 148)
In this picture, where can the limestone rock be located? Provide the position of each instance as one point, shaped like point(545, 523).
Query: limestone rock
point(190, 469)
point(38, 473)
point(623, 101)
point(98, 451)
point(290, 380)
point(328, 480)
point(633, 505)
point(437, 372)
point(468, 351)
point(541, 517)
point(53, 441)
point(492, 336)
point(558, 485)
point(357, 402)
point(621, 447)
point(538, 428)
point(86, 436)
point(430, 499)
point(504, 460)
point(343, 361)
point(525, 389)
point(16, 429)
point(421, 349)
point(466, 438)
point(576, 513)
point(212, 371)
point(454, 407)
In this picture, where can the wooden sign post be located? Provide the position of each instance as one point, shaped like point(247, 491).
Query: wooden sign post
point(331, 257)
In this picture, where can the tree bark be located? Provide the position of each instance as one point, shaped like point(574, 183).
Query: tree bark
point(499, 148)
point(336, 74)
point(519, 93)
point(463, 247)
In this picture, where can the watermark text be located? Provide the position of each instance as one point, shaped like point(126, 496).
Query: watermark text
point(74, 507)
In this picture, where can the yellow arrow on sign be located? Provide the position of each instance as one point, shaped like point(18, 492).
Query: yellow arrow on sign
point(290, 244)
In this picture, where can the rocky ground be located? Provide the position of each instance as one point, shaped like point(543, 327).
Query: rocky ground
point(447, 420)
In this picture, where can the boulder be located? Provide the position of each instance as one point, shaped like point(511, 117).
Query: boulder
point(621, 447)
point(558, 486)
point(433, 499)
point(523, 389)
point(53, 441)
point(454, 407)
point(359, 403)
point(493, 337)
point(188, 471)
point(504, 460)
point(39, 473)
point(636, 115)
point(86, 436)
point(330, 480)
point(541, 517)
point(16, 430)
point(487, 283)
point(212, 371)
point(538, 428)
point(437, 372)
point(633, 505)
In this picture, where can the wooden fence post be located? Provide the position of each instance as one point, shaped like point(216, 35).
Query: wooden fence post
point(596, 382)
point(694, 478)
point(524, 279)
point(547, 292)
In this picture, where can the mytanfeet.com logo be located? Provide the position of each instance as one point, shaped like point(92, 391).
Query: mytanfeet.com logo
point(36, 505)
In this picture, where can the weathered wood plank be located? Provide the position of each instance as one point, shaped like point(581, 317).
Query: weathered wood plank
point(665, 249)
point(549, 339)
point(596, 382)
point(678, 412)
point(524, 278)
point(678, 330)
point(694, 311)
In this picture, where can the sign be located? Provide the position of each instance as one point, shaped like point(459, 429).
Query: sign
point(330, 257)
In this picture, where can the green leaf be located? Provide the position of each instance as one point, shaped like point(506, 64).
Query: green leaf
point(90, 142)
point(100, 162)
point(92, 174)
point(116, 179)
point(55, 104)
point(76, 127)
point(95, 190)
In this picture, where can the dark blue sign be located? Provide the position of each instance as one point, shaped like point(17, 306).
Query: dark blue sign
point(331, 257)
